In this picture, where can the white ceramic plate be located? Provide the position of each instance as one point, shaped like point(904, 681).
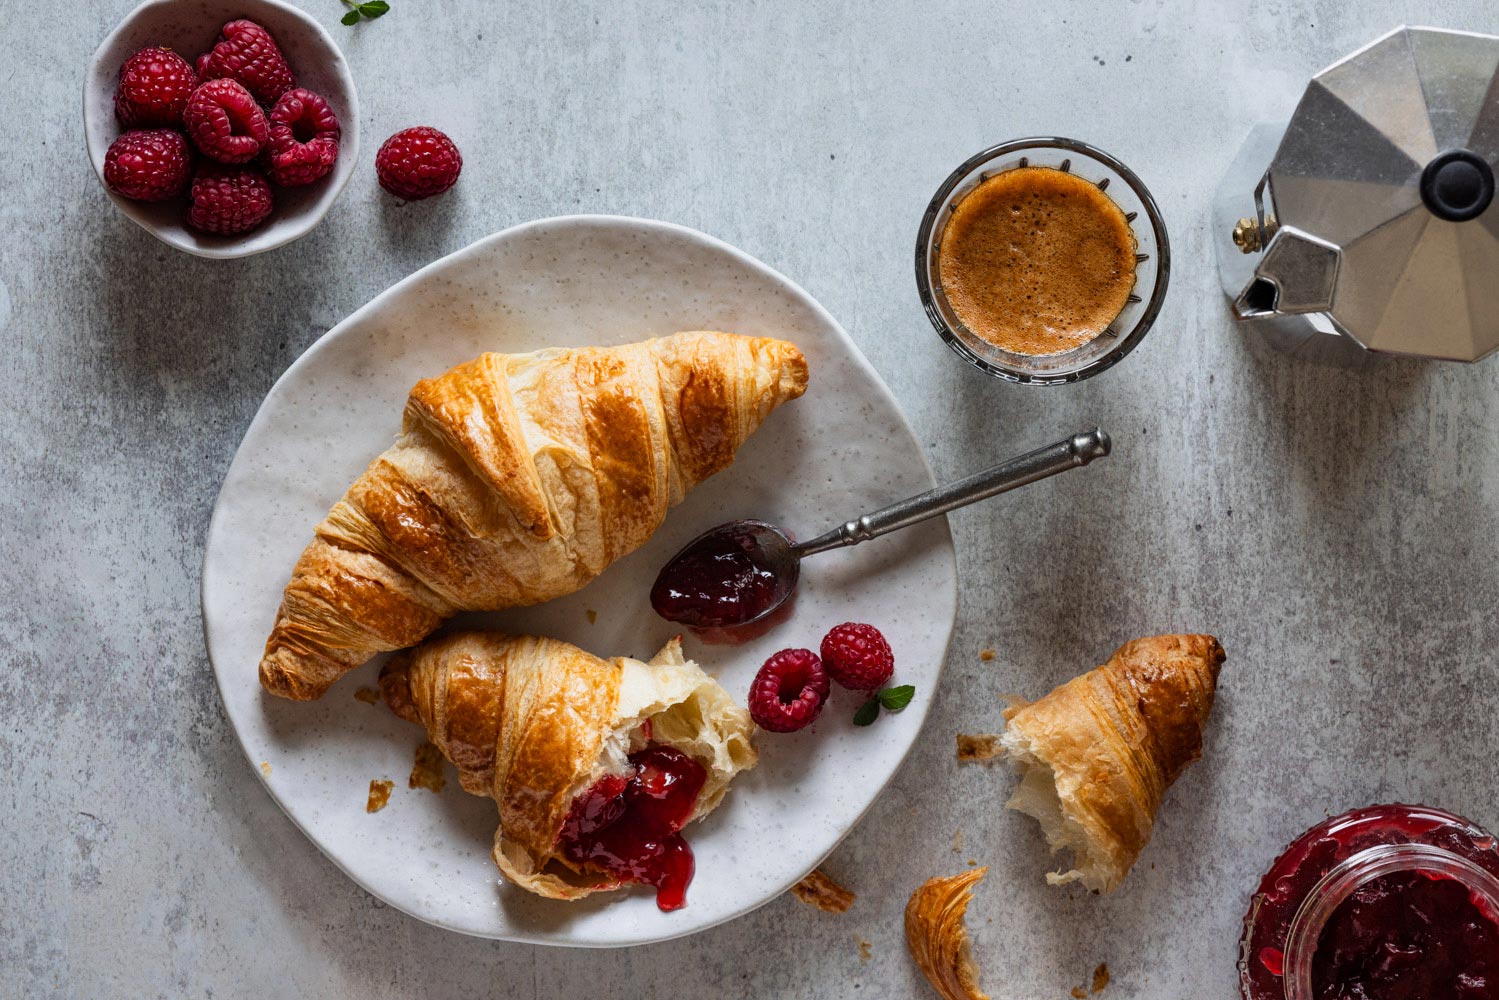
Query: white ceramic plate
point(840, 450)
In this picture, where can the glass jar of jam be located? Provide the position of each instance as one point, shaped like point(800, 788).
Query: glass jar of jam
point(1383, 903)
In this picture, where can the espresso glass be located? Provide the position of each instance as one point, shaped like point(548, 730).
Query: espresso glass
point(1152, 261)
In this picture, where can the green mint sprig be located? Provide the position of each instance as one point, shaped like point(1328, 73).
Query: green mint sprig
point(891, 699)
point(368, 10)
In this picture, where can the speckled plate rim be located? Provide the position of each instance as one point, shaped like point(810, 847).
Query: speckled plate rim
point(919, 708)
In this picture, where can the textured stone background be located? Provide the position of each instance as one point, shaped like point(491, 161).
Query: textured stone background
point(1336, 529)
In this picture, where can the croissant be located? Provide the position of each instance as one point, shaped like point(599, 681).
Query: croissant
point(1097, 754)
point(517, 479)
point(595, 764)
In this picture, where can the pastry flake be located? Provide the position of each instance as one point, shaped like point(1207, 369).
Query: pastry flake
point(818, 890)
point(973, 748)
point(1096, 755)
point(426, 769)
point(938, 938)
point(379, 794)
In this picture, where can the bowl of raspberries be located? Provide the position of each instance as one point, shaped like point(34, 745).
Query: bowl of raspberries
point(222, 127)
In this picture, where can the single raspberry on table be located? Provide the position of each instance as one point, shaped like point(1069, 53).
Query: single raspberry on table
point(857, 656)
point(155, 84)
point(304, 139)
point(148, 164)
point(417, 163)
point(227, 200)
point(224, 122)
point(789, 690)
point(246, 52)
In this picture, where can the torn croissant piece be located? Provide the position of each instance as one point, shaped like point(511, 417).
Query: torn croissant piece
point(818, 889)
point(517, 478)
point(595, 764)
point(938, 938)
point(1096, 755)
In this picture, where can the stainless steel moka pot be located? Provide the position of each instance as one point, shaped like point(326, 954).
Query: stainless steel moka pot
point(1374, 228)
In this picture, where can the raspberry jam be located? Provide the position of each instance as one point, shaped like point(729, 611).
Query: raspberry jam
point(723, 579)
point(627, 825)
point(1389, 902)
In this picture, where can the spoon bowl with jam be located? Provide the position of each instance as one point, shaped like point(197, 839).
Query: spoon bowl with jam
point(1042, 261)
point(741, 572)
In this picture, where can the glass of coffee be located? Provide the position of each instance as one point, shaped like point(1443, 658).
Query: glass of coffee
point(1042, 260)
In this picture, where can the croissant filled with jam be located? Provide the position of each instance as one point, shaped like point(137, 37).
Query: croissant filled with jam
point(596, 765)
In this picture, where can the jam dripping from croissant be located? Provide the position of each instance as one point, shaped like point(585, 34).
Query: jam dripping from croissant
point(627, 825)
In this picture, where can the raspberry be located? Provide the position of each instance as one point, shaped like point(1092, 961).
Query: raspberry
point(304, 139)
point(857, 656)
point(154, 87)
point(148, 164)
point(200, 65)
point(224, 122)
point(228, 200)
point(417, 163)
point(789, 690)
point(246, 52)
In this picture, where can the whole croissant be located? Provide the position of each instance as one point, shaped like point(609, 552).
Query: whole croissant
point(532, 723)
point(517, 479)
point(1097, 754)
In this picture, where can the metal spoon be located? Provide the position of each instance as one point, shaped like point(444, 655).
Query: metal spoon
point(742, 571)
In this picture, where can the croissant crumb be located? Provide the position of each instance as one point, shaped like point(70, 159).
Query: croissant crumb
point(973, 748)
point(379, 794)
point(426, 770)
point(1100, 977)
point(986, 655)
point(938, 938)
point(864, 953)
point(818, 890)
point(368, 695)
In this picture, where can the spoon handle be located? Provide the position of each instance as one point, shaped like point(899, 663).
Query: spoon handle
point(1075, 451)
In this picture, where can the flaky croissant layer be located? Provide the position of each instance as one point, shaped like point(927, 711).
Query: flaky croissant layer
point(518, 479)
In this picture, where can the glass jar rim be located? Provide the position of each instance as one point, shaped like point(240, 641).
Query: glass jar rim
point(1340, 882)
point(1153, 304)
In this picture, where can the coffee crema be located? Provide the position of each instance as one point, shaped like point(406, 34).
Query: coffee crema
point(1037, 261)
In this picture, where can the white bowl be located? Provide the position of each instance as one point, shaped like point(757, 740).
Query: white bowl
point(189, 27)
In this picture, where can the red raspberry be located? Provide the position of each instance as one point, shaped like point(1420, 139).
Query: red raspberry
point(224, 122)
point(200, 65)
point(417, 163)
point(154, 87)
point(789, 690)
point(148, 164)
point(246, 52)
point(304, 139)
point(858, 656)
point(228, 200)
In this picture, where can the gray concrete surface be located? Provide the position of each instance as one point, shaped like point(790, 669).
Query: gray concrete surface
point(1335, 529)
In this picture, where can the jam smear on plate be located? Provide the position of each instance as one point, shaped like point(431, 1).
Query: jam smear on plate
point(628, 825)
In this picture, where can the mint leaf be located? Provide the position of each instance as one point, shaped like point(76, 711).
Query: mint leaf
point(352, 17)
point(897, 698)
point(868, 712)
point(374, 8)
